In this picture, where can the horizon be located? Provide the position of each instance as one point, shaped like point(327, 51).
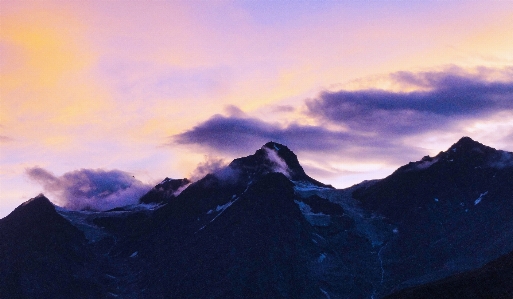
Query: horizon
point(123, 95)
point(95, 203)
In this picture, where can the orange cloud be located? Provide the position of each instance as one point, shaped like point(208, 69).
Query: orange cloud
point(48, 85)
point(46, 43)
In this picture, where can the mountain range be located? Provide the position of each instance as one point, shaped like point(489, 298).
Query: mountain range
point(440, 227)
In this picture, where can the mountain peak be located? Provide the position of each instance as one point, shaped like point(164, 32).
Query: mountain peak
point(466, 143)
point(466, 152)
point(274, 145)
point(468, 149)
point(286, 155)
point(36, 212)
point(466, 140)
point(38, 203)
point(273, 157)
point(165, 190)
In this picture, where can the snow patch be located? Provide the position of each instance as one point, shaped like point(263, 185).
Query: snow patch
point(321, 258)
point(224, 207)
point(480, 198)
point(139, 207)
point(316, 219)
point(221, 209)
point(325, 293)
point(305, 209)
point(306, 186)
point(83, 220)
point(319, 236)
point(381, 263)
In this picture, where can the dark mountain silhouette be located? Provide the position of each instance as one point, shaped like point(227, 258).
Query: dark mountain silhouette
point(267, 159)
point(42, 253)
point(164, 191)
point(494, 280)
point(453, 212)
point(262, 228)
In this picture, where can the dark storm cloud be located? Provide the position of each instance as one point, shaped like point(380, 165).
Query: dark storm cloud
point(449, 98)
point(241, 136)
point(375, 122)
point(230, 134)
point(93, 189)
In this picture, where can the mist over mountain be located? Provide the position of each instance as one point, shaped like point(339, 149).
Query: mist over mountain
point(260, 227)
point(90, 189)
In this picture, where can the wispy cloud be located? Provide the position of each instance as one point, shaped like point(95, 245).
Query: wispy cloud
point(149, 80)
point(209, 165)
point(92, 189)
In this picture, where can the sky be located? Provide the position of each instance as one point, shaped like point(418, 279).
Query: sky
point(100, 100)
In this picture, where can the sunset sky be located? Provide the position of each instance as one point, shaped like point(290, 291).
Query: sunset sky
point(126, 93)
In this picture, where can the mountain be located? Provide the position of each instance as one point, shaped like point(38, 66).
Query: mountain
point(452, 212)
point(164, 191)
point(237, 232)
point(41, 253)
point(262, 228)
point(494, 280)
point(272, 157)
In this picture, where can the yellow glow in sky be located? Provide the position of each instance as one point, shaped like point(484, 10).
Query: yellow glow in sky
point(104, 84)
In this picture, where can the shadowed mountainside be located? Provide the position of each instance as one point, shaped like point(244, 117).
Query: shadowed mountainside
point(441, 227)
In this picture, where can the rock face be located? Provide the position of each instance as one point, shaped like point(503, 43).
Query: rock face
point(452, 211)
point(164, 191)
point(262, 228)
point(42, 253)
point(255, 244)
point(272, 157)
point(494, 280)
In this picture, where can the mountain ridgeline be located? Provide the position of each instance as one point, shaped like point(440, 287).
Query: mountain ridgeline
point(441, 227)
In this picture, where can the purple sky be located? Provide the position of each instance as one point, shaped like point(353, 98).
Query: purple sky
point(128, 93)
